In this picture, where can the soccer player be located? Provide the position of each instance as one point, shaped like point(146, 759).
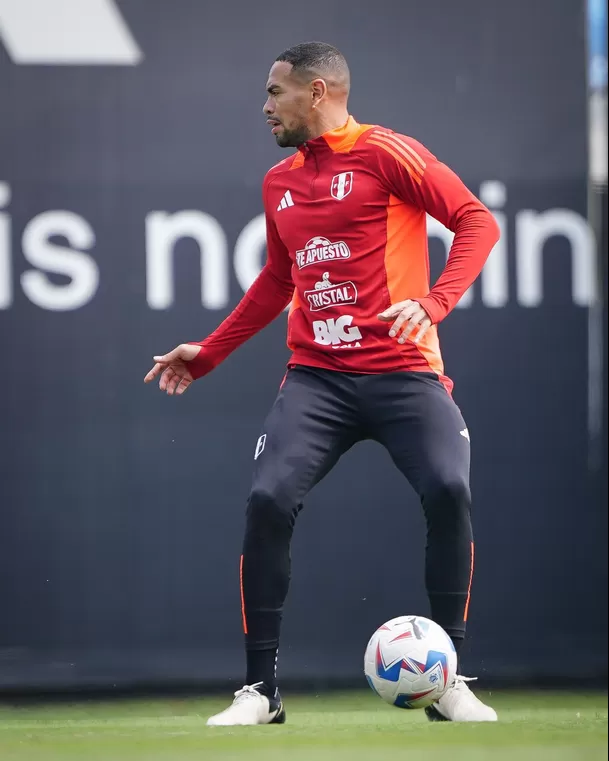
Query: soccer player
point(347, 246)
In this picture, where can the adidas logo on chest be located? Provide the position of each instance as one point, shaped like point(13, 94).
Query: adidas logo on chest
point(286, 201)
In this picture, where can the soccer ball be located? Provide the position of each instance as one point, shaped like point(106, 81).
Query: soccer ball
point(410, 662)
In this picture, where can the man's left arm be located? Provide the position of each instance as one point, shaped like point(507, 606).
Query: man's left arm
point(419, 178)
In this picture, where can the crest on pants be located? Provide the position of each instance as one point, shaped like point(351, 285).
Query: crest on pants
point(342, 185)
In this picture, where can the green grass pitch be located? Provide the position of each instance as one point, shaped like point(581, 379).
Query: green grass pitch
point(345, 727)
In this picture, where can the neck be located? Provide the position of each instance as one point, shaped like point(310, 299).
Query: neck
point(329, 120)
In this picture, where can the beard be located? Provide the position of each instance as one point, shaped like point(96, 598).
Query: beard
point(292, 138)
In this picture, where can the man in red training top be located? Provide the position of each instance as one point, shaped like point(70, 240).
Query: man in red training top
point(347, 246)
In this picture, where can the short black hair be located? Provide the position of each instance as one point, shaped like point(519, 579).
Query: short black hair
point(310, 58)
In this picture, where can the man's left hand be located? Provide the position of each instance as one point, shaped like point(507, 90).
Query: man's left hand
point(407, 316)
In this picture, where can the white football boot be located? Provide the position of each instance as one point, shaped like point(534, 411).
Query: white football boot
point(460, 704)
point(250, 707)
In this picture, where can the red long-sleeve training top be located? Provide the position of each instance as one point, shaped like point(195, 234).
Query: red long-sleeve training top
point(346, 238)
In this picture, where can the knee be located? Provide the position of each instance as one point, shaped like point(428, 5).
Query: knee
point(269, 508)
point(446, 495)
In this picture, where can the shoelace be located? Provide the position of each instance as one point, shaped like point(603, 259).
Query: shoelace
point(245, 693)
point(465, 679)
point(460, 682)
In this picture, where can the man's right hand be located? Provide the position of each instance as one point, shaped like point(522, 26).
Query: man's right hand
point(172, 367)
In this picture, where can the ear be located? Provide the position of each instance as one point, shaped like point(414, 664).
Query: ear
point(318, 90)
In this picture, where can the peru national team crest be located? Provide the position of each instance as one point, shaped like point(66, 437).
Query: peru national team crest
point(342, 185)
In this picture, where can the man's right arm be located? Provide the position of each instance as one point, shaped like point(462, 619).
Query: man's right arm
point(265, 300)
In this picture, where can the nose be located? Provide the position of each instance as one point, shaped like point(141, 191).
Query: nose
point(267, 109)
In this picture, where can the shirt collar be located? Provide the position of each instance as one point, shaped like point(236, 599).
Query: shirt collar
point(337, 139)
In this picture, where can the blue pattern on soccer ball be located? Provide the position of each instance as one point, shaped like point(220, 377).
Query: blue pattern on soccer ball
point(392, 673)
point(371, 683)
point(406, 701)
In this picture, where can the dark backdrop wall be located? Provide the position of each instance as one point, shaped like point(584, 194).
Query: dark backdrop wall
point(132, 150)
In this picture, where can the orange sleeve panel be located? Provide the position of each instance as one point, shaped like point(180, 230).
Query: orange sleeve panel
point(407, 270)
point(415, 176)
